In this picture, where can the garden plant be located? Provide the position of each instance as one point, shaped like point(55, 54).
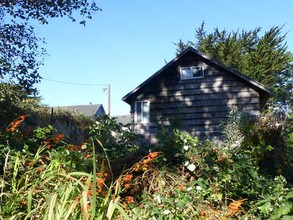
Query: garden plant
point(244, 175)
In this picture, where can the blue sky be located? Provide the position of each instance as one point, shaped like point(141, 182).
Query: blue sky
point(130, 40)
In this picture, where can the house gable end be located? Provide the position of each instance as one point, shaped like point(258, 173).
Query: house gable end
point(263, 92)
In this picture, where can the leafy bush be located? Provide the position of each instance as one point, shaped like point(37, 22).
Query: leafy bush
point(56, 181)
point(44, 177)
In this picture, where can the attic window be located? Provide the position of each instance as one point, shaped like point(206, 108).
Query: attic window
point(193, 72)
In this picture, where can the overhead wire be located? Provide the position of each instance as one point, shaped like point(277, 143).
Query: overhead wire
point(72, 83)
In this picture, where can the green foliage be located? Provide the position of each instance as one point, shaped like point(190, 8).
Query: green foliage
point(268, 142)
point(15, 101)
point(220, 174)
point(174, 144)
point(21, 51)
point(46, 178)
point(65, 182)
point(11, 97)
point(278, 202)
point(263, 58)
point(42, 10)
point(116, 140)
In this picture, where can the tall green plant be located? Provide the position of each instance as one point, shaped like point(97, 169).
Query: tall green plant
point(265, 58)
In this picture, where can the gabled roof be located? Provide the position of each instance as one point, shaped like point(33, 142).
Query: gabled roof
point(264, 93)
point(123, 119)
point(88, 110)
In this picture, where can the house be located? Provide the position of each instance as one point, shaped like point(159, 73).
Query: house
point(91, 110)
point(196, 91)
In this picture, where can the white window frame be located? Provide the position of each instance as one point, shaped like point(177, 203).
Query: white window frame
point(191, 76)
point(143, 118)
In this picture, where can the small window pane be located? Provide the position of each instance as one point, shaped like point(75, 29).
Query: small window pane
point(141, 111)
point(197, 71)
point(145, 113)
point(138, 111)
point(191, 72)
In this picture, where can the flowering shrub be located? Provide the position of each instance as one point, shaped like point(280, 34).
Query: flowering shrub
point(44, 177)
point(53, 181)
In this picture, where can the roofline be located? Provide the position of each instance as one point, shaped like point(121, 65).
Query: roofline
point(155, 74)
point(214, 61)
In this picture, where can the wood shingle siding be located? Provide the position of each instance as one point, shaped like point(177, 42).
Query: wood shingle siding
point(201, 105)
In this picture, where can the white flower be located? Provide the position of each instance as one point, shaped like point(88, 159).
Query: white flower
point(198, 188)
point(189, 188)
point(191, 167)
point(83, 147)
point(166, 212)
point(186, 163)
point(185, 147)
point(158, 199)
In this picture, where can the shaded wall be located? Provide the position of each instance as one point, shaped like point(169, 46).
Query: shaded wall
point(199, 105)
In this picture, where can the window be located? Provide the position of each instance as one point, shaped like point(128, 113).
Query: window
point(193, 72)
point(141, 112)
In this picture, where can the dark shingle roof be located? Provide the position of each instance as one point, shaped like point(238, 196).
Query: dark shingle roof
point(123, 119)
point(264, 93)
point(88, 110)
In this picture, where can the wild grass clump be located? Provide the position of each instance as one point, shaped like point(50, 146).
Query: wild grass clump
point(54, 180)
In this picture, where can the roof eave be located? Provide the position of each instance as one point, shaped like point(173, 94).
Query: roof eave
point(257, 86)
point(127, 97)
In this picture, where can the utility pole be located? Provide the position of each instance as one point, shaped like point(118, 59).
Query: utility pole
point(109, 99)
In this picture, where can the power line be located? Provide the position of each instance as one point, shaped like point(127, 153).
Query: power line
point(72, 83)
point(87, 84)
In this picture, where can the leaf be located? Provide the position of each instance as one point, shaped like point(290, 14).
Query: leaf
point(289, 195)
point(266, 208)
point(285, 209)
point(287, 217)
point(51, 206)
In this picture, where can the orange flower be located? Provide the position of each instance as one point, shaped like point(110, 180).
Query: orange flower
point(145, 167)
point(100, 182)
point(235, 205)
point(203, 213)
point(24, 202)
point(36, 191)
point(70, 148)
point(153, 155)
point(145, 161)
point(88, 156)
point(129, 199)
point(58, 137)
point(105, 193)
point(14, 125)
point(106, 174)
point(127, 186)
point(99, 174)
point(181, 187)
point(90, 192)
point(136, 167)
point(49, 146)
point(128, 177)
point(30, 163)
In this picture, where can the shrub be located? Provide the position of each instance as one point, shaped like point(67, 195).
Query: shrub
point(57, 181)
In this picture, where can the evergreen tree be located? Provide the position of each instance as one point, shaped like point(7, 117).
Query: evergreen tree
point(262, 58)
